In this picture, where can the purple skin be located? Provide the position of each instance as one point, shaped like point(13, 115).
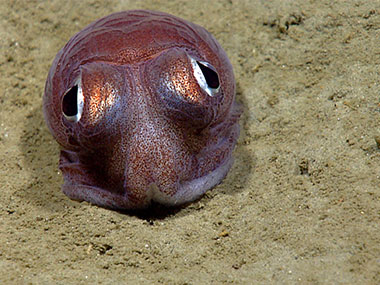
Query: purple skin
point(143, 106)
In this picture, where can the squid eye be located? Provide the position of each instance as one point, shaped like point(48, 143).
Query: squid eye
point(72, 103)
point(206, 75)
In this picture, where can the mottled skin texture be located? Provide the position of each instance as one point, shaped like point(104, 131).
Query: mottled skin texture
point(148, 131)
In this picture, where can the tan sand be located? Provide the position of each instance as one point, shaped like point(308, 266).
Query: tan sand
point(302, 202)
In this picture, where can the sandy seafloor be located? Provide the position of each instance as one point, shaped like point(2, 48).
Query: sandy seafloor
point(302, 201)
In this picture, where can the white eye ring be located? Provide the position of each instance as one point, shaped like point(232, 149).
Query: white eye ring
point(73, 102)
point(200, 76)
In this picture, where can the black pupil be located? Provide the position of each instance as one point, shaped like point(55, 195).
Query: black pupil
point(210, 75)
point(69, 103)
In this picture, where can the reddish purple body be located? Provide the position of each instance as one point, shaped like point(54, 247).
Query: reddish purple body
point(143, 106)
